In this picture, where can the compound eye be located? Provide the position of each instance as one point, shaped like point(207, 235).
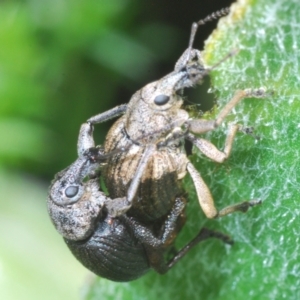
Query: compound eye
point(71, 191)
point(161, 99)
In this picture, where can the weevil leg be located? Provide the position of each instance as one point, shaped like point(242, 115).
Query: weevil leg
point(88, 162)
point(87, 154)
point(109, 114)
point(174, 222)
point(132, 190)
point(202, 126)
point(156, 247)
point(206, 200)
point(86, 149)
point(210, 150)
point(158, 264)
point(85, 139)
point(122, 205)
point(168, 234)
point(241, 207)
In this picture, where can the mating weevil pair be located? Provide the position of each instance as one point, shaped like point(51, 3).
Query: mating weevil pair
point(144, 180)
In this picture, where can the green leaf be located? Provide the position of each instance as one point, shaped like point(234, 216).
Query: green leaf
point(264, 262)
point(34, 261)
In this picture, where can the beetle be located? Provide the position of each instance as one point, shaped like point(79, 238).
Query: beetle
point(117, 248)
point(148, 177)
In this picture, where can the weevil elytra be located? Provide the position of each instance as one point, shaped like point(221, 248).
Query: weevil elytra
point(119, 248)
point(147, 176)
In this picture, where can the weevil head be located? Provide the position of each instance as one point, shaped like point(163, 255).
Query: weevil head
point(158, 105)
point(191, 67)
point(164, 94)
point(68, 186)
point(161, 95)
point(64, 192)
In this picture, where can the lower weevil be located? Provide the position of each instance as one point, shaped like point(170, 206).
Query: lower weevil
point(119, 249)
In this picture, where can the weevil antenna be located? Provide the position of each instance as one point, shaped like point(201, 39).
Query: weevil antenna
point(227, 56)
point(214, 16)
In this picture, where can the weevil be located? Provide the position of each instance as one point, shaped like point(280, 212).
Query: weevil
point(148, 177)
point(117, 248)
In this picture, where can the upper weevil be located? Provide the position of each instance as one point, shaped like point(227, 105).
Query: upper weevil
point(153, 128)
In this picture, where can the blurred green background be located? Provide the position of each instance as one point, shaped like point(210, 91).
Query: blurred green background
point(60, 63)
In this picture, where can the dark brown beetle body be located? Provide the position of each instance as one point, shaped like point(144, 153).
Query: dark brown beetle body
point(121, 249)
point(111, 251)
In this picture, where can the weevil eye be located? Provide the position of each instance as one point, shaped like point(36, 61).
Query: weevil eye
point(161, 99)
point(71, 191)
